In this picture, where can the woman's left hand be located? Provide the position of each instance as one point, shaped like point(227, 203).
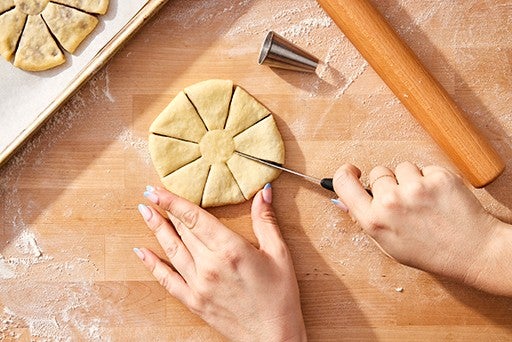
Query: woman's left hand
point(245, 293)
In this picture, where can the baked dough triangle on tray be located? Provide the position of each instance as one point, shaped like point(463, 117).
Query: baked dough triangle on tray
point(193, 142)
point(35, 32)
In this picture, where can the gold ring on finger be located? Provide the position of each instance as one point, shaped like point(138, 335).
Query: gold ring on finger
point(381, 176)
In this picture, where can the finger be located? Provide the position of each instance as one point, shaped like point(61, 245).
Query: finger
point(407, 172)
point(264, 223)
point(197, 248)
point(432, 169)
point(202, 224)
point(171, 243)
point(171, 280)
point(351, 192)
point(443, 177)
point(382, 181)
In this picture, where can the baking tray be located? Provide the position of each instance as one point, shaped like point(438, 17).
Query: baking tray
point(9, 146)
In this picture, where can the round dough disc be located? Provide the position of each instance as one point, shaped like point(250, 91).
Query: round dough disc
point(193, 142)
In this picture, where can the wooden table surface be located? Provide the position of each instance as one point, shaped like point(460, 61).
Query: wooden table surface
point(68, 197)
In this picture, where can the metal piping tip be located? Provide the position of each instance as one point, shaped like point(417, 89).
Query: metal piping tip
point(277, 52)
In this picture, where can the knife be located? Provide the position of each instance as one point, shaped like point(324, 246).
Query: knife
point(325, 183)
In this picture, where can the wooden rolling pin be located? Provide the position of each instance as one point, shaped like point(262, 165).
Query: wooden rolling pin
point(417, 89)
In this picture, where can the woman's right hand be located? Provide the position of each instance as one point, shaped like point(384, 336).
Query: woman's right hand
point(430, 220)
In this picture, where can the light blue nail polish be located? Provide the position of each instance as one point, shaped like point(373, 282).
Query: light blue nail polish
point(150, 188)
point(151, 196)
point(339, 204)
point(267, 193)
point(139, 253)
point(145, 212)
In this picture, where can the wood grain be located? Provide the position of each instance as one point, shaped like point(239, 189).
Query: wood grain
point(77, 183)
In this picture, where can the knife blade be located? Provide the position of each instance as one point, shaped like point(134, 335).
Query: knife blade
point(325, 183)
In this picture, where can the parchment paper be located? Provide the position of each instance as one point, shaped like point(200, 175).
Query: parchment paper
point(24, 95)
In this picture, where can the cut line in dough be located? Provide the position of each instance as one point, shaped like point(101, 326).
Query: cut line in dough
point(70, 26)
point(6, 5)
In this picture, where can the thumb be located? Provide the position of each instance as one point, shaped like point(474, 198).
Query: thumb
point(264, 222)
point(352, 193)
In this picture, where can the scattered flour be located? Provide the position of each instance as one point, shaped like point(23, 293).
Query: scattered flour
point(140, 145)
point(298, 128)
point(57, 312)
point(6, 270)
point(305, 26)
point(106, 89)
point(28, 245)
point(31, 300)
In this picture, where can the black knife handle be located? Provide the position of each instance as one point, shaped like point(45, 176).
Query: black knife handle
point(326, 183)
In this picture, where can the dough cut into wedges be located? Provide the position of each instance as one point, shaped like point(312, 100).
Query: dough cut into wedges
point(196, 119)
point(91, 6)
point(179, 120)
point(69, 26)
point(244, 111)
point(211, 99)
point(220, 177)
point(11, 24)
point(271, 148)
point(188, 181)
point(170, 154)
point(37, 49)
point(250, 175)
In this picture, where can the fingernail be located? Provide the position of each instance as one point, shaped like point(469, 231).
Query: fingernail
point(139, 253)
point(151, 196)
point(267, 193)
point(145, 212)
point(339, 204)
point(149, 188)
